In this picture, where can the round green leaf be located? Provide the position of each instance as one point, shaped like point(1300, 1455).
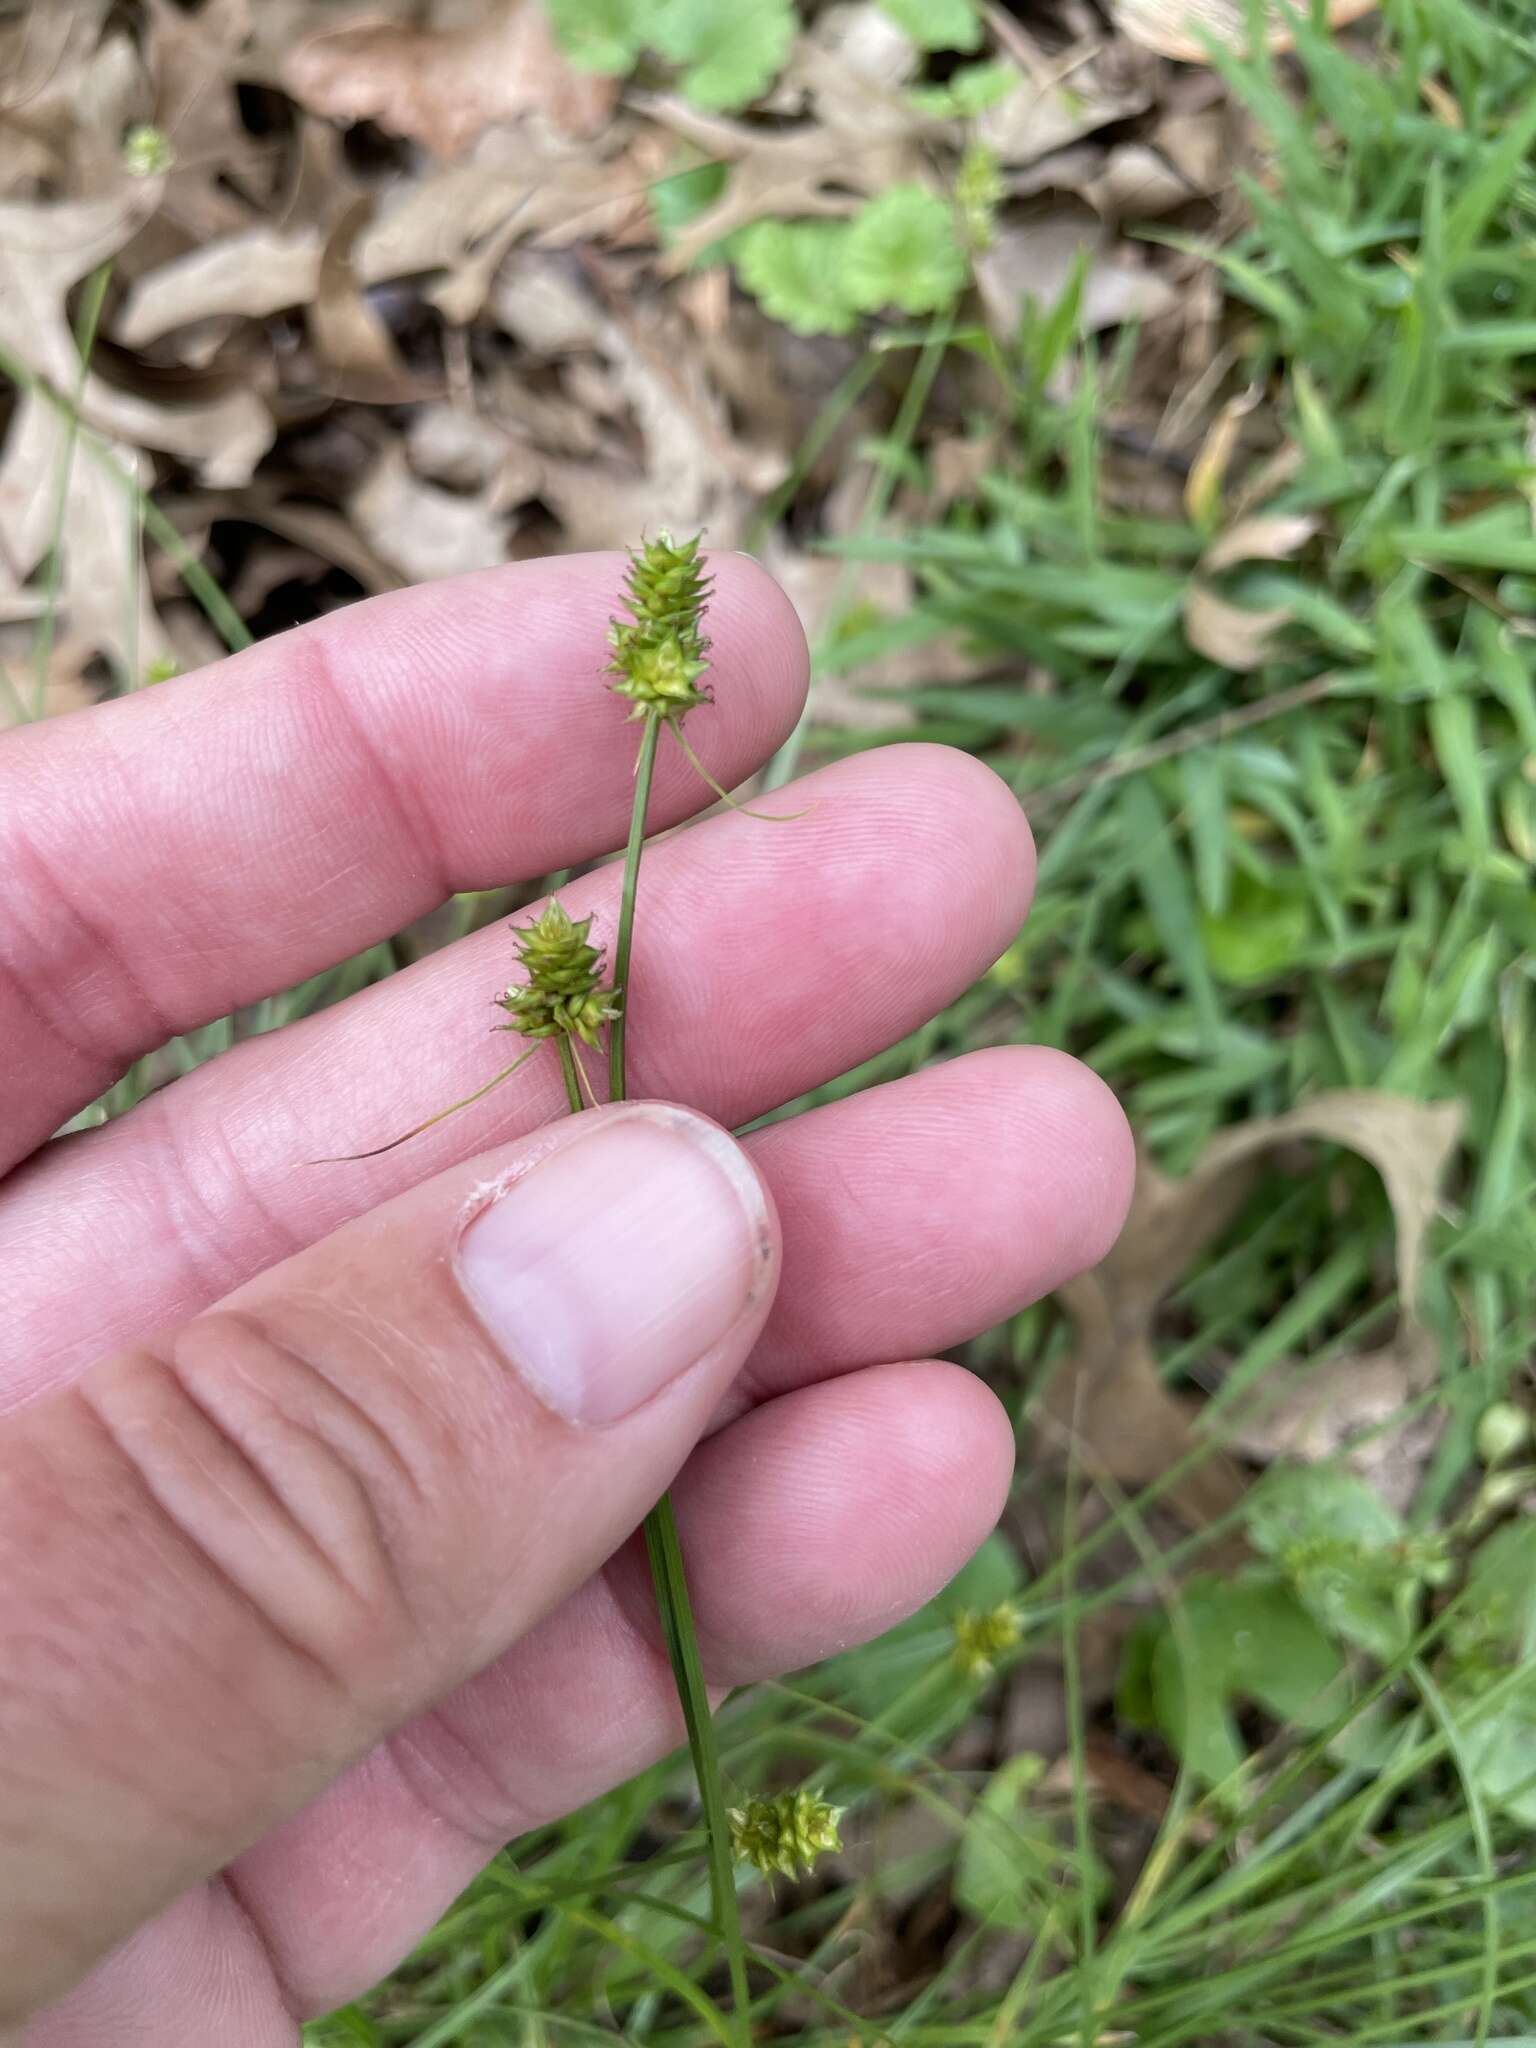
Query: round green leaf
point(795, 271)
point(904, 250)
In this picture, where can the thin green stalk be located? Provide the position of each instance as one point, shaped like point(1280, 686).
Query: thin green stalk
point(644, 768)
point(569, 1075)
point(665, 1551)
point(221, 614)
point(781, 768)
point(662, 1545)
point(85, 342)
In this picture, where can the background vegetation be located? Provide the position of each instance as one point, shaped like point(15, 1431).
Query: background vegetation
point(1222, 550)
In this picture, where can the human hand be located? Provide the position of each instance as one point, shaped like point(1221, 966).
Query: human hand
point(319, 1587)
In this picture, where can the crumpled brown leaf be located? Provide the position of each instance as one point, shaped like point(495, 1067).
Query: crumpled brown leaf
point(64, 683)
point(1168, 26)
point(44, 251)
point(804, 171)
point(424, 531)
point(1111, 1391)
point(1064, 94)
point(349, 335)
point(1237, 636)
point(1033, 254)
point(459, 221)
point(444, 86)
point(193, 58)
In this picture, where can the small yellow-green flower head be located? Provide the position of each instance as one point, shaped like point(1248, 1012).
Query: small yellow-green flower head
point(1502, 1432)
point(979, 191)
point(981, 1638)
point(147, 152)
point(787, 1833)
point(563, 992)
point(659, 651)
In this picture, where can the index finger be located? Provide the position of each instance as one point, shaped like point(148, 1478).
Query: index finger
point(174, 855)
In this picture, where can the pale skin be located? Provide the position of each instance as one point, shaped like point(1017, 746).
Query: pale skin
point(311, 1592)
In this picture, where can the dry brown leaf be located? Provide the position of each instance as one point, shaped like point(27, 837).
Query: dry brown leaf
point(1208, 471)
point(1033, 255)
point(850, 67)
point(222, 439)
point(542, 300)
point(70, 84)
point(1200, 144)
point(194, 61)
point(345, 329)
point(1230, 634)
point(1264, 537)
point(1063, 96)
point(1111, 1390)
point(1239, 638)
point(258, 272)
point(810, 170)
point(444, 87)
point(1138, 183)
point(39, 48)
point(1410, 1144)
point(315, 531)
point(422, 531)
point(104, 601)
point(459, 221)
point(1169, 26)
point(64, 687)
point(1358, 1410)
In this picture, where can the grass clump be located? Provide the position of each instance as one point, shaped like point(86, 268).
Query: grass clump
point(1276, 722)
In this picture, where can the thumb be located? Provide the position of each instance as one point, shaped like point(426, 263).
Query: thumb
point(231, 1561)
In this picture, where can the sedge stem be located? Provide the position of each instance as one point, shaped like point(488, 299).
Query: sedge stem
point(569, 1075)
point(645, 765)
point(665, 1551)
point(662, 1544)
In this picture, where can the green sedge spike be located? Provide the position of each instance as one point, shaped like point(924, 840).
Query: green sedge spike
point(564, 994)
point(564, 997)
point(786, 1833)
point(981, 1638)
point(659, 650)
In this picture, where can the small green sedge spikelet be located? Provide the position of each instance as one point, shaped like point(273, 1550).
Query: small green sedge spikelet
point(979, 192)
point(1502, 1432)
point(981, 1638)
point(564, 991)
point(786, 1833)
point(147, 152)
point(659, 651)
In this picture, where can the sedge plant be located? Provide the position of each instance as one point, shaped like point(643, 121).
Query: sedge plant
point(659, 659)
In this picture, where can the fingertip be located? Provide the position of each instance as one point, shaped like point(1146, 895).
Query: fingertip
point(841, 1508)
point(1075, 1126)
point(987, 850)
point(757, 638)
point(956, 1446)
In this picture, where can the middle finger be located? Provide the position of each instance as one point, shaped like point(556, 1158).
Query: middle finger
point(767, 959)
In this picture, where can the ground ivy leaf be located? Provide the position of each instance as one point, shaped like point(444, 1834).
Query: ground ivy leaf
point(1013, 1867)
point(1495, 1621)
point(1343, 1551)
point(969, 91)
point(732, 49)
point(936, 24)
point(904, 250)
point(1250, 1639)
point(1263, 932)
point(598, 35)
point(794, 269)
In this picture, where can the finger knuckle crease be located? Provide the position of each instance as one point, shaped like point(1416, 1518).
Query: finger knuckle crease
point(274, 1478)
